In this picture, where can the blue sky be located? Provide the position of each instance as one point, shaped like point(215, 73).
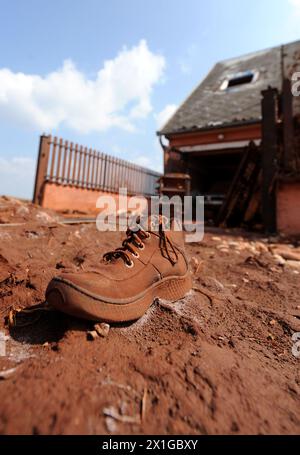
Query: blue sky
point(107, 73)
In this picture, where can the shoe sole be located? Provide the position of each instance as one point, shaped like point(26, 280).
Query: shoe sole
point(75, 301)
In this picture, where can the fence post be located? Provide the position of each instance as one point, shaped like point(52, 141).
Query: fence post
point(41, 169)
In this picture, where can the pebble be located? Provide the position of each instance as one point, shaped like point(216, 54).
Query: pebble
point(92, 335)
point(102, 329)
point(293, 264)
point(6, 374)
point(279, 259)
point(195, 264)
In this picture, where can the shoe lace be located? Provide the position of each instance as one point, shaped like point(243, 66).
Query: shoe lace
point(136, 239)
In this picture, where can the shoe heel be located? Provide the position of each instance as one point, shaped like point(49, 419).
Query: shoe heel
point(175, 288)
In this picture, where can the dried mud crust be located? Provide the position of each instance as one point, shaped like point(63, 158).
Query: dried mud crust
point(217, 361)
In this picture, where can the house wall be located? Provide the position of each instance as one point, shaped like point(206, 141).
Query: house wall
point(213, 136)
point(288, 208)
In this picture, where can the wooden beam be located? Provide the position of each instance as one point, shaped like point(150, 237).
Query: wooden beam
point(288, 127)
point(216, 135)
point(269, 158)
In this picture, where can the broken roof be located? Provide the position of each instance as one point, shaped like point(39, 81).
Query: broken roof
point(231, 92)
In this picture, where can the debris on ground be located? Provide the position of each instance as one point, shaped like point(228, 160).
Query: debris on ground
point(6, 374)
point(102, 329)
point(92, 335)
point(218, 361)
point(112, 412)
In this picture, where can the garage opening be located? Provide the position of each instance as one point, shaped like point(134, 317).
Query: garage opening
point(224, 176)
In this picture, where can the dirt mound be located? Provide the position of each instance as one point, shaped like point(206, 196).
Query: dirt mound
point(218, 361)
point(14, 210)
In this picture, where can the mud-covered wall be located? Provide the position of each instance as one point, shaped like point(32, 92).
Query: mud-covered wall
point(288, 208)
point(80, 200)
point(291, 65)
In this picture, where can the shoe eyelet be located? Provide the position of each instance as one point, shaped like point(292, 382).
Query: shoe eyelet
point(136, 255)
point(141, 247)
point(129, 265)
point(148, 235)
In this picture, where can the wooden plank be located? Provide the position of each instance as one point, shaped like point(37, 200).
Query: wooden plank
point(79, 178)
point(66, 150)
point(58, 173)
point(70, 163)
point(88, 176)
point(83, 182)
point(96, 168)
point(75, 164)
point(54, 147)
point(104, 171)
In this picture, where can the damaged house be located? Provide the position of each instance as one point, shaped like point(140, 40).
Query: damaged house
point(236, 140)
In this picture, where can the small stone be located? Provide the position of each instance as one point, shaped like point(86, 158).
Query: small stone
point(272, 322)
point(245, 280)
point(293, 264)
point(22, 210)
point(287, 253)
point(216, 239)
point(102, 329)
point(270, 337)
point(195, 264)
point(92, 335)
point(275, 270)
point(262, 247)
point(77, 235)
point(279, 259)
point(6, 374)
point(223, 249)
point(231, 343)
point(233, 243)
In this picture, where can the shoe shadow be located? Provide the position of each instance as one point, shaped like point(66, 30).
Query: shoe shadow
point(37, 328)
point(47, 326)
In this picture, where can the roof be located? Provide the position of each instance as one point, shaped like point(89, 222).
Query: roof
point(211, 106)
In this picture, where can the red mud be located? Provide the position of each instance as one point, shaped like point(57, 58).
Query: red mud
point(219, 361)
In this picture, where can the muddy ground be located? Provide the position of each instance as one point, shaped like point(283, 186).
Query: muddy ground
point(218, 361)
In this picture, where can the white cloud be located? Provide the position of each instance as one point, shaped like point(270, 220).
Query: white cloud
point(296, 5)
point(17, 176)
point(120, 94)
point(163, 116)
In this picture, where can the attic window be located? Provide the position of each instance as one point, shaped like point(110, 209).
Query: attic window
point(239, 79)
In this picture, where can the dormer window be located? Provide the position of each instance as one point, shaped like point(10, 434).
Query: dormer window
point(239, 79)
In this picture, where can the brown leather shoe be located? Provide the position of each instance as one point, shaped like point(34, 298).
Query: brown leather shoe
point(149, 265)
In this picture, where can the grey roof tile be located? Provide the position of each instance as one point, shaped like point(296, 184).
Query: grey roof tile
point(209, 106)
